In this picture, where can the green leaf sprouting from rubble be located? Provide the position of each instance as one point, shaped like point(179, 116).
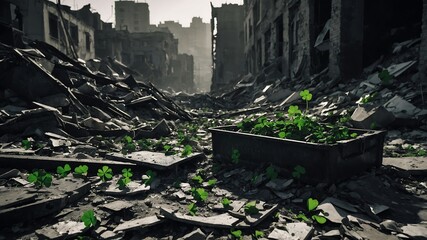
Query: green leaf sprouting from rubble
point(149, 177)
point(88, 218)
point(169, 150)
point(63, 171)
point(237, 234)
point(225, 202)
point(105, 173)
point(235, 156)
point(126, 178)
point(271, 172)
point(81, 170)
point(311, 207)
point(199, 194)
point(192, 209)
point(26, 144)
point(298, 172)
point(40, 178)
point(187, 151)
point(251, 208)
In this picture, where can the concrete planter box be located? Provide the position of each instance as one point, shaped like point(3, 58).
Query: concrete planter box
point(322, 162)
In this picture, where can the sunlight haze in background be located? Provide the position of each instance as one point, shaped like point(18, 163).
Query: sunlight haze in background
point(160, 10)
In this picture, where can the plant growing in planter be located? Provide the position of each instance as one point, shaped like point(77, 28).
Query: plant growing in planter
point(299, 142)
point(298, 126)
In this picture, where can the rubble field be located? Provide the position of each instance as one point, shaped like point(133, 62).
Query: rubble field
point(89, 150)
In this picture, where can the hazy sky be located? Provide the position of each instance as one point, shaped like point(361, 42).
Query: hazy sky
point(160, 10)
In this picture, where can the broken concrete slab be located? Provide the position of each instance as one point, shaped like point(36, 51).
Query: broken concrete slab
point(117, 206)
point(279, 94)
point(294, 231)
point(365, 116)
point(412, 165)
point(197, 234)
point(341, 204)
point(138, 223)
point(401, 108)
point(397, 69)
point(403, 207)
point(333, 213)
point(291, 99)
point(224, 220)
point(279, 184)
point(45, 162)
point(62, 230)
point(365, 231)
point(154, 160)
point(16, 197)
point(255, 219)
point(415, 231)
point(50, 200)
point(133, 188)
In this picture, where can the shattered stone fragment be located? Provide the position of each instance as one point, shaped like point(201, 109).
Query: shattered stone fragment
point(117, 206)
point(194, 235)
point(294, 231)
point(138, 223)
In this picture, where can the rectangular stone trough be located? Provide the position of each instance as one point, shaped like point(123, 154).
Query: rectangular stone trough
point(323, 162)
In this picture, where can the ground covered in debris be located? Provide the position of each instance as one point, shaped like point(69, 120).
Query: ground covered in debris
point(90, 151)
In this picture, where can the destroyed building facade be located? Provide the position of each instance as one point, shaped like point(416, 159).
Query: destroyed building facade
point(44, 21)
point(195, 40)
point(305, 37)
point(132, 16)
point(227, 48)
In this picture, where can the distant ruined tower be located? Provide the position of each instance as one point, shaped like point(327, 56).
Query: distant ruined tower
point(132, 16)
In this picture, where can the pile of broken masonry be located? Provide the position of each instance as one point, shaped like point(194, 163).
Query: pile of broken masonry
point(56, 110)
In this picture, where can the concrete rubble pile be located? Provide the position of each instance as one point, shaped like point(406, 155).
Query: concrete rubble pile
point(43, 91)
point(59, 111)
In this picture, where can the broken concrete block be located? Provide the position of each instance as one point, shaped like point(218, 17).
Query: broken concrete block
point(260, 100)
point(401, 108)
point(111, 235)
point(365, 231)
point(416, 231)
point(397, 69)
point(279, 94)
point(279, 184)
point(133, 188)
point(93, 123)
point(155, 160)
point(194, 235)
point(300, 231)
point(368, 115)
point(292, 98)
point(9, 174)
point(390, 225)
point(57, 100)
point(224, 220)
point(333, 213)
point(88, 89)
point(341, 204)
point(413, 165)
point(138, 223)
point(86, 149)
point(98, 113)
point(117, 206)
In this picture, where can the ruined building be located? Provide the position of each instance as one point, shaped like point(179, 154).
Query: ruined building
point(195, 40)
point(132, 16)
point(305, 37)
point(227, 48)
point(42, 20)
point(147, 49)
